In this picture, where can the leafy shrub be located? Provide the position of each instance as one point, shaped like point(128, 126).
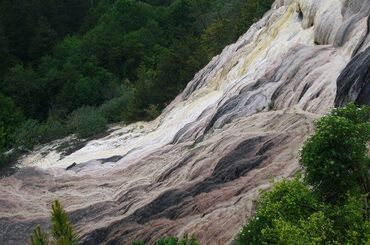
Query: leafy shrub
point(86, 122)
point(53, 129)
point(2, 138)
point(350, 219)
point(336, 157)
point(10, 119)
point(291, 214)
point(114, 109)
point(138, 243)
point(27, 135)
point(3, 159)
point(167, 241)
point(185, 240)
point(288, 205)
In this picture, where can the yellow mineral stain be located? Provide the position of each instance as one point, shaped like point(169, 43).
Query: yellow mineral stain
point(262, 43)
point(265, 40)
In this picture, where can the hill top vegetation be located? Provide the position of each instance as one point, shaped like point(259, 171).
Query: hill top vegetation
point(67, 65)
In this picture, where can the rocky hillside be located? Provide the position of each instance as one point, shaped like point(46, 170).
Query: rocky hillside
point(200, 166)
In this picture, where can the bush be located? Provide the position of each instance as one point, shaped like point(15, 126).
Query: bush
point(10, 118)
point(138, 243)
point(2, 139)
point(53, 129)
point(114, 109)
point(167, 241)
point(185, 240)
point(27, 135)
point(336, 157)
point(289, 204)
point(3, 159)
point(291, 214)
point(86, 122)
point(350, 224)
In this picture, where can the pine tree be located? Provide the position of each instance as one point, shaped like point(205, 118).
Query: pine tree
point(61, 230)
point(43, 40)
point(38, 237)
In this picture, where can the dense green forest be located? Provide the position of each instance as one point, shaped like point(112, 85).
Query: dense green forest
point(71, 64)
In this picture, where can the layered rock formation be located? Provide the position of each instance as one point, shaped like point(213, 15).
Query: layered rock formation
point(200, 166)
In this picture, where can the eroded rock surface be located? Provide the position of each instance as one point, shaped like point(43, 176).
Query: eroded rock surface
point(354, 82)
point(200, 166)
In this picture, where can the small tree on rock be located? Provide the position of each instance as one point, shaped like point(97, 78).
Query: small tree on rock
point(61, 231)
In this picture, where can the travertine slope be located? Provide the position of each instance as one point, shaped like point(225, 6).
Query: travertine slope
point(199, 167)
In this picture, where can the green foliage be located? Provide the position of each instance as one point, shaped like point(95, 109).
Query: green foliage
point(336, 156)
point(21, 84)
point(27, 135)
point(138, 243)
point(286, 207)
point(155, 38)
point(2, 138)
point(38, 237)
point(316, 229)
point(62, 232)
point(167, 241)
point(350, 219)
point(7, 59)
point(43, 40)
point(53, 129)
point(185, 240)
point(10, 119)
point(128, 59)
point(86, 122)
point(332, 205)
point(22, 26)
point(291, 214)
point(115, 109)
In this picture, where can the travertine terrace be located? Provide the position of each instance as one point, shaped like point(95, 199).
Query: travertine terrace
point(200, 166)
